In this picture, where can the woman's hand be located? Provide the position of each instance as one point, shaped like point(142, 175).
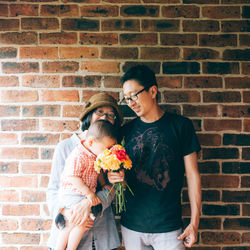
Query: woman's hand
point(80, 212)
point(116, 176)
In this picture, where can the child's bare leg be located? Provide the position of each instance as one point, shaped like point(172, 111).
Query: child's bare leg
point(63, 237)
point(75, 236)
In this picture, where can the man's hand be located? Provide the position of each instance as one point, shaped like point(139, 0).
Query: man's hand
point(79, 212)
point(189, 235)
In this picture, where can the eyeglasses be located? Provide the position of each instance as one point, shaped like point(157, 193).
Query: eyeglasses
point(132, 97)
point(100, 113)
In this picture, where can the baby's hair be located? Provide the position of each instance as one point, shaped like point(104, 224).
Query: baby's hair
point(102, 128)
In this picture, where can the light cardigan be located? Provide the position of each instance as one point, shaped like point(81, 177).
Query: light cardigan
point(104, 233)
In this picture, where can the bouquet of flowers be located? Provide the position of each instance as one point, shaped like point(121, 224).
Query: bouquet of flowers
point(115, 159)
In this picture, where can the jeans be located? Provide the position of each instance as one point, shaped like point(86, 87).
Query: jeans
point(151, 241)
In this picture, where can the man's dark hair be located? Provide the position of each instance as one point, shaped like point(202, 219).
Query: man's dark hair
point(102, 128)
point(142, 74)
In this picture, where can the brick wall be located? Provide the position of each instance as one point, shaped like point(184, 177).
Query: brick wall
point(54, 55)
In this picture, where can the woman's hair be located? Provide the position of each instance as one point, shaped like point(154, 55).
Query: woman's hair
point(102, 128)
point(87, 119)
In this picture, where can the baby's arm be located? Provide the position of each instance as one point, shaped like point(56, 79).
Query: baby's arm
point(84, 189)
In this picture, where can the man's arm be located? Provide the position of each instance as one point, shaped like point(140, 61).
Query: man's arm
point(194, 193)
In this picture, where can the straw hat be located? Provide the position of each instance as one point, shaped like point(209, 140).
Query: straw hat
point(98, 100)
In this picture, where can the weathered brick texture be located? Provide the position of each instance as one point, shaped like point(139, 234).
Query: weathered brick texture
point(55, 54)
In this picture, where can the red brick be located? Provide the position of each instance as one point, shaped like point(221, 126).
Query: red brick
point(235, 26)
point(203, 82)
point(200, 110)
point(154, 66)
point(8, 81)
point(246, 96)
point(169, 81)
point(112, 81)
point(33, 196)
point(39, 139)
point(40, 81)
point(120, 25)
point(217, 40)
point(222, 125)
point(19, 125)
point(209, 167)
point(60, 67)
point(47, 153)
point(39, 52)
point(200, 26)
point(8, 139)
point(58, 38)
point(200, 54)
point(221, 97)
point(39, 23)
point(237, 82)
point(236, 224)
point(8, 167)
point(179, 39)
point(8, 111)
point(8, 225)
point(201, 1)
point(19, 38)
point(181, 96)
point(36, 167)
point(96, 38)
point(30, 224)
point(4, 10)
point(209, 139)
point(138, 39)
point(139, 10)
point(79, 81)
point(246, 236)
point(245, 153)
point(21, 238)
point(23, 10)
point(234, 1)
point(8, 52)
point(160, 53)
point(216, 238)
point(122, 1)
point(186, 11)
point(247, 125)
point(60, 10)
point(221, 12)
point(246, 212)
point(60, 95)
point(245, 181)
point(19, 68)
point(44, 183)
point(101, 66)
point(160, 25)
point(99, 11)
point(41, 110)
point(19, 153)
point(236, 111)
point(119, 53)
point(245, 40)
point(19, 181)
point(80, 24)
point(245, 68)
point(69, 52)
point(59, 126)
point(8, 96)
point(9, 24)
point(220, 181)
point(220, 153)
point(9, 196)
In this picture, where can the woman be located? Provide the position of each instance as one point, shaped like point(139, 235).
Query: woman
point(103, 232)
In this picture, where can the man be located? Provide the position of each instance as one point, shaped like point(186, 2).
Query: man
point(162, 147)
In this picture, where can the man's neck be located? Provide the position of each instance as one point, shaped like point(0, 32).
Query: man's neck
point(155, 114)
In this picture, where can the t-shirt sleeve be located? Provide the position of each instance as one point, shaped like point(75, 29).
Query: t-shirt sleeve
point(189, 138)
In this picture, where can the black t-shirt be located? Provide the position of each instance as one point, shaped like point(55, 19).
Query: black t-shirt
point(156, 178)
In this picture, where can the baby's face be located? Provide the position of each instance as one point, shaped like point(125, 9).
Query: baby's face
point(99, 146)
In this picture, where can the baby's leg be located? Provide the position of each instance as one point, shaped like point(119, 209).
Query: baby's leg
point(63, 237)
point(75, 236)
